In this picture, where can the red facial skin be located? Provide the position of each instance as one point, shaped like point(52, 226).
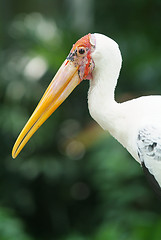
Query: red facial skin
point(80, 54)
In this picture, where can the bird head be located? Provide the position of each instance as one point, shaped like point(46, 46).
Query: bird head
point(77, 67)
point(80, 55)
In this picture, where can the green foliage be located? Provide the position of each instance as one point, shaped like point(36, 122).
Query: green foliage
point(72, 181)
point(11, 227)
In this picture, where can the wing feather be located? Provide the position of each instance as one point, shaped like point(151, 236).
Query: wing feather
point(149, 151)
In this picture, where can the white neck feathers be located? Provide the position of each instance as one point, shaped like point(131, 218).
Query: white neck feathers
point(102, 105)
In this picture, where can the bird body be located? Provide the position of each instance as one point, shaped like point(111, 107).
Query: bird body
point(131, 120)
point(135, 123)
point(125, 121)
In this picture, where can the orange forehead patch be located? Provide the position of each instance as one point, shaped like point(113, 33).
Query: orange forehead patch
point(84, 41)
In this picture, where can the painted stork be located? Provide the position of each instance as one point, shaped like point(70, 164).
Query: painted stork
point(136, 124)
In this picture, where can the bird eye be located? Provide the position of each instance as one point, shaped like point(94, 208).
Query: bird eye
point(82, 50)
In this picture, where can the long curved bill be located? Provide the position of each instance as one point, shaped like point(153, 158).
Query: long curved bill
point(59, 89)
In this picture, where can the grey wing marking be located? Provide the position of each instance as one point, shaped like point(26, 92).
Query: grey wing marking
point(149, 152)
point(149, 144)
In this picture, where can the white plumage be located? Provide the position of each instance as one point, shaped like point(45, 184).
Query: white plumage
point(136, 124)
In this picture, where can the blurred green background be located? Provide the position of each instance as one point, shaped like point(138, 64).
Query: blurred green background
point(73, 181)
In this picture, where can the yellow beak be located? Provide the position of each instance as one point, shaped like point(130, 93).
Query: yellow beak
point(59, 89)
